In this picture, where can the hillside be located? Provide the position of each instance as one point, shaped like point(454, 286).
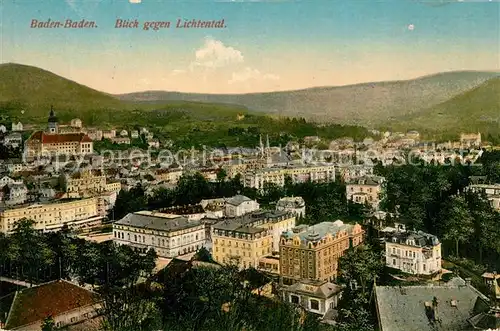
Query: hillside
point(27, 92)
point(367, 104)
point(471, 111)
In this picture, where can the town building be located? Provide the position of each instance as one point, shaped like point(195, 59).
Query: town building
point(68, 305)
point(120, 140)
point(315, 296)
point(3, 128)
point(52, 216)
point(87, 183)
point(169, 235)
point(17, 126)
point(76, 123)
point(313, 252)
point(365, 190)
point(49, 142)
point(413, 252)
point(492, 281)
point(352, 171)
point(108, 134)
point(240, 205)
point(124, 133)
point(456, 306)
point(94, 134)
point(244, 240)
point(134, 134)
point(14, 193)
point(13, 140)
point(298, 174)
point(293, 205)
point(470, 139)
point(492, 192)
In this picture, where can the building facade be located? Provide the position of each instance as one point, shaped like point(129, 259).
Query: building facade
point(313, 252)
point(169, 235)
point(492, 192)
point(240, 205)
point(298, 174)
point(244, 240)
point(51, 141)
point(413, 252)
point(365, 190)
point(293, 205)
point(314, 296)
point(52, 216)
point(87, 183)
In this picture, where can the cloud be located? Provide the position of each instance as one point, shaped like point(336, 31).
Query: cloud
point(214, 54)
point(248, 74)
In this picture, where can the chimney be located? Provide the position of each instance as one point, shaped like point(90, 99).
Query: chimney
point(467, 281)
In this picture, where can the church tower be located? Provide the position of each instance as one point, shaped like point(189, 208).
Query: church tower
point(53, 122)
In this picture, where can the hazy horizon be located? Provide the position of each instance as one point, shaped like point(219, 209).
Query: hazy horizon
point(265, 47)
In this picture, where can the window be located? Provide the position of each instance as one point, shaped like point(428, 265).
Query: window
point(294, 299)
point(73, 319)
point(314, 304)
point(423, 266)
point(393, 261)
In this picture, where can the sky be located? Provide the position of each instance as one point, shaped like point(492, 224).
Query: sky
point(264, 46)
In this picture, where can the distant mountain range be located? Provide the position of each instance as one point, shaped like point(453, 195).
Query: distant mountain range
point(464, 100)
point(368, 104)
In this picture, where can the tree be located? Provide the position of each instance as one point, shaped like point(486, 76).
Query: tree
point(360, 265)
point(48, 324)
point(458, 225)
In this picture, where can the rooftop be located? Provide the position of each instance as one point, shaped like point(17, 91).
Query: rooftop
point(45, 138)
point(318, 231)
point(291, 202)
point(249, 223)
point(34, 304)
point(421, 308)
point(318, 289)
point(237, 200)
point(412, 238)
point(157, 221)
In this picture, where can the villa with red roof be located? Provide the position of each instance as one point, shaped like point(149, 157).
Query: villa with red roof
point(51, 141)
point(68, 305)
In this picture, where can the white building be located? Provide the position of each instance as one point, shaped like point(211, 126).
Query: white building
point(134, 134)
point(124, 133)
point(413, 252)
point(3, 128)
point(298, 174)
point(14, 140)
point(17, 126)
point(365, 190)
point(169, 235)
point(76, 123)
point(492, 192)
point(240, 205)
point(314, 296)
point(294, 205)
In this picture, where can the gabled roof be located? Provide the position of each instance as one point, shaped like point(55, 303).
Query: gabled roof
point(238, 200)
point(54, 298)
point(318, 289)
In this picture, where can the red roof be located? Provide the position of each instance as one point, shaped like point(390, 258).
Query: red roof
point(59, 138)
point(50, 299)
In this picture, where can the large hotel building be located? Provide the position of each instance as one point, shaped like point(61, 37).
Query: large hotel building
point(313, 252)
point(169, 235)
point(245, 239)
point(51, 141)
point(52, 216)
